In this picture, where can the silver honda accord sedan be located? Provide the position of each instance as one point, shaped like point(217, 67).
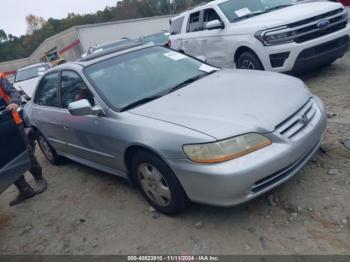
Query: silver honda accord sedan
point(178, 128)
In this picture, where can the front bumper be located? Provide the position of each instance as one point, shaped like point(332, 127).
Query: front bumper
point(240, 180)
point(296, 59)
point(321, 54)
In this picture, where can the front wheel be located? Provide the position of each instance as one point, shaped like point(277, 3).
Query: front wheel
point(158, 183)
point(250, 61)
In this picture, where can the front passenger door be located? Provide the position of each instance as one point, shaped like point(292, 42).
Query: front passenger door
point(48, 111)
point(84, 135)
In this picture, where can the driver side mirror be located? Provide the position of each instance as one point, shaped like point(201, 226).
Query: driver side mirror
point(84, 108)
point(215, 24)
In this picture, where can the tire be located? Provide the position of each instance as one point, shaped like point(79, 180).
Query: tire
point(158, 183)
point(48, 151)
point(249, 60)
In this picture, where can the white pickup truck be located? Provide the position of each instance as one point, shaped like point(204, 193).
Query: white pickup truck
point(279, 36)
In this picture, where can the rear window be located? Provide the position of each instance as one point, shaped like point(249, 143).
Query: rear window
point(194, 23)
point(176, 25)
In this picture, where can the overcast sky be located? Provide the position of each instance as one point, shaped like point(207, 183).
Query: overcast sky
point(13, 12)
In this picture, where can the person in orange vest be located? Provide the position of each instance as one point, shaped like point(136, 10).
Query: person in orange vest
point(12, 98)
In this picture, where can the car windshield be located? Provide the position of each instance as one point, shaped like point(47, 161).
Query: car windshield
point(143, 75)
point(28, 73)
point(157, 39)
point(236, 10)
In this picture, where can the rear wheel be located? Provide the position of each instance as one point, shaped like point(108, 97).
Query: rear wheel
point(158, 183)
point(48, 151)
point(249, 60)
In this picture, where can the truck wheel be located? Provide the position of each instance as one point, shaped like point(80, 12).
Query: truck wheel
point(48, 151)
point(249, 60)
point(158, 184)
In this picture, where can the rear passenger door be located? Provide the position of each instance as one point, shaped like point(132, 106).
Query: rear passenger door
point(191, 44)
point(213, 42)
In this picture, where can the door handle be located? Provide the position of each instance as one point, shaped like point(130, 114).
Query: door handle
point(185, 41)
point(65, 127)
point(204, 40)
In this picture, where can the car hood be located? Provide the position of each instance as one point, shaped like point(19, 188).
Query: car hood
point(288, 15)
point(28, 86)
point(230, 102)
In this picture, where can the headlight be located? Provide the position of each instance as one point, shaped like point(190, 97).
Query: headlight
point(275, 38)
point(225, 150)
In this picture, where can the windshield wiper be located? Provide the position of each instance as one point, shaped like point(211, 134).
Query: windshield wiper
point(140, 102)
point(159, 95)
point(187, 82)
point(276, 8)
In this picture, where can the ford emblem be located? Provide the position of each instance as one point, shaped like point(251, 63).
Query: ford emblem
point(323, 24)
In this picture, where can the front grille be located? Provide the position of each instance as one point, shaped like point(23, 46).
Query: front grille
point(324, 48)
point(316, 18)
point(298, 121)
point(268, 181)
point(316, 33)
point(309, 29)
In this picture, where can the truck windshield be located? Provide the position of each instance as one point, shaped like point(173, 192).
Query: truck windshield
point(237, 10)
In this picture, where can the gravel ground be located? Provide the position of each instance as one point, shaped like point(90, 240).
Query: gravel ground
point(85, 211)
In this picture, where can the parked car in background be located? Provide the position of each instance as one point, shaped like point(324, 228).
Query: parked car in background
point(27, 78)
point(161, 38)
point(122, 43)
point(346, 3)
point(268, 35)
point(197, 133)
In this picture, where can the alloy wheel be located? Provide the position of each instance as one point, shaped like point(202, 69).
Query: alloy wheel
point(154, 184)
point(247, 64)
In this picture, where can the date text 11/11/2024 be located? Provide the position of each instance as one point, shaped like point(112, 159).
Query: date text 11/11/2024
point(180, 258)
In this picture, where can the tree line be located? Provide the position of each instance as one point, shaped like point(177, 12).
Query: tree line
point(38, 29)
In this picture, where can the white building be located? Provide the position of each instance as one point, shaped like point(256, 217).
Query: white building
point(75, 41)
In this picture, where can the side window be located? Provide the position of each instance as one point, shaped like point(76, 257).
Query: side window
point(210, 15)
point(194, 23)
point(176, 25)
point(73, 89)
point(47, 94)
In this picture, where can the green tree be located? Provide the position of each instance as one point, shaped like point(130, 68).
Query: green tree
point(38, 30)
point(3, 36)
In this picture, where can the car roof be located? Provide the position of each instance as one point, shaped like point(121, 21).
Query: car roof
point(80, 64)
point(32, 65)
point(113, 42)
